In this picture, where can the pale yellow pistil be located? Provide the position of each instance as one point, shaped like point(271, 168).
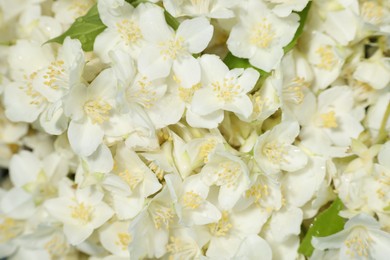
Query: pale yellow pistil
point(129, 31)
point(257, 192)
point(162, 216)
point(132, 179)
point(226, 90)
point(97, 110)
point(328, 59)
point(81, 212)
point(262, 34)
point(228, 174)
point(329, 120)
point(192, 200)
point(358, 245)
point(123, 240)
point(222, 227)
point(275, 152)
point(372, 12)
point(54, 73)
point(172, 48)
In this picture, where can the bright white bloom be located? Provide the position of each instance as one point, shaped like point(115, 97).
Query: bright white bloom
point(334, 120)
point(223, 89)
point(260, 35)
point(190, 197)
point(284, 8)
point(91, 109)
point(130, 183)
point(39, 89)
point(326, 58)
point(123, 30)
point(34, 182)
point(361, 238)
point(67, 11)
point(253, 247)
point(166, 49)
point(228, 172)
point(274, 150)
point(116, 239)
point(209, 8)
point(81, 211)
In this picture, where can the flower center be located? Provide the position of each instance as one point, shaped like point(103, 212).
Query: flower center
point(56, 247)
point(129, 31)
point(36, 97)
point(81, 212)
point(262, 34)
point(80, 7)
point(327, 57)
point(97, 110)
point(228, 173)
point(123, 240)
point(162, 216)
point(275, 152)
point(226, 90)
point(172, 48)
point(372, 12)
point(358, 244)
point(257, 192)
point(132, 179)
point(222, 227)
point(192, 200)
point(329, 120)
point(206, 148)
point(9, 229)
point(293, 92)
point(54, 74)
point(181, 249)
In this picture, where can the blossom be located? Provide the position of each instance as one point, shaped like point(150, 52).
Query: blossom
point(81, 211)
point(260, 35)
point(361, 237)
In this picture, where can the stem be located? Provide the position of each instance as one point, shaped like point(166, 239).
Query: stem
point(382, 135)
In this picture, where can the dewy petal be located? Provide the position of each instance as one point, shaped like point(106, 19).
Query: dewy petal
point(153, 25)
point(84, 138)
point(241, 106)
point(205, 102)
point(248, 79)
point(104, 43)
point(19, 106)
point(238, 42)
point(253, 247)
point(152, 63)
point(213, 68)
point(334, 241)
point(266, 59)
point(187, 69)
point(294, 159)
point(196, 32)
point(24, 168)
point(207, 121)
point(77, 234)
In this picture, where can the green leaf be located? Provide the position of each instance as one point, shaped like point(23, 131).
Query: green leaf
point(303, 17)
point(171, 21)
point(85, 29)
point(326, 223)
point(234, 62)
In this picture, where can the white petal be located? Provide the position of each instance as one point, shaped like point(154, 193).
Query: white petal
point(84, 138)
point(77, 234)
point(197, 33)
point(187, 69)
point(152, 63)
point(295, 159)
point(153, 25)
point(208, 121)
point(213, 68)
point(253, 247)
point(205, 102)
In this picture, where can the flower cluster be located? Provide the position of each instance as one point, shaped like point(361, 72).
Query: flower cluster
point(195, 129)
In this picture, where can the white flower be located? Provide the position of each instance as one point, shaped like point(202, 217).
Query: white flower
point(209, 8)
point(123, 30)
point(115, 238)
point(166, 49)
point(361, 238)
point(81, 211)
point(190, 198)
point(274, 150)
point(283, 8)
point(66, 11)
point(260, 35)
point(90, 109)
point(228, 172)
point(223, 89)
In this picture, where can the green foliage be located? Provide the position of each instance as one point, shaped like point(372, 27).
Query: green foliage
point(303, 17)
point(326, 223)
point(85, 29)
